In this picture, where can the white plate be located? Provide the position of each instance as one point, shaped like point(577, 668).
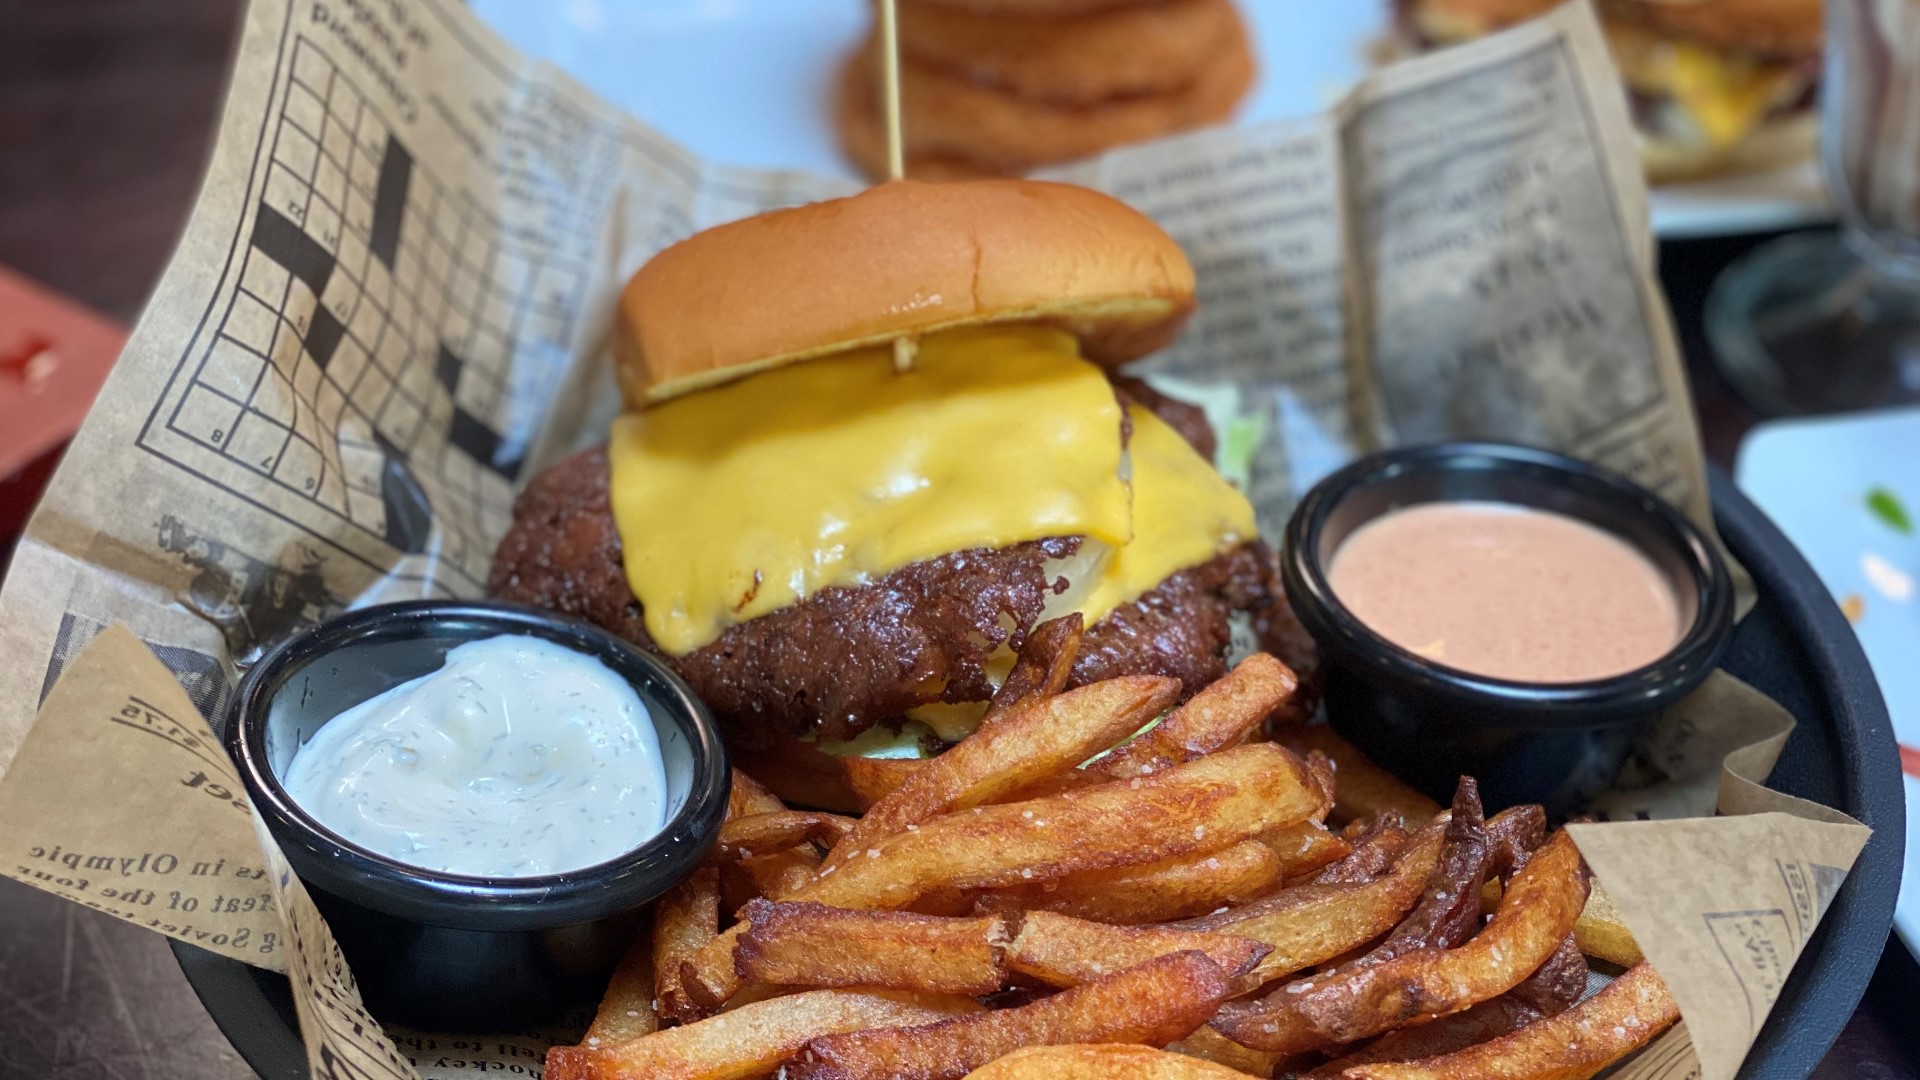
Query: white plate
point(1812, 477)
point(746, 82)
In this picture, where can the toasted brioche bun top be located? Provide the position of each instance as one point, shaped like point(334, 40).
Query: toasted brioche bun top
point(902, 258)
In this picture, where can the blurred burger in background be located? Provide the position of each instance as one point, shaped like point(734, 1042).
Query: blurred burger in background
point(1715, 86)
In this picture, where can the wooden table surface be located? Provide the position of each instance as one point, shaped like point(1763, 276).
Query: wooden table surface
point(106, 111)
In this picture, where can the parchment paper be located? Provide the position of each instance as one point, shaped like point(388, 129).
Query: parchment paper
point(391, 306)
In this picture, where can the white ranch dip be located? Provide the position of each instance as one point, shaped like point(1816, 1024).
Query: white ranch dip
point(518, 758)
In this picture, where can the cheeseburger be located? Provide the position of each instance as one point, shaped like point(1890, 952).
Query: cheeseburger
point(840, 546)
point(1715, 86)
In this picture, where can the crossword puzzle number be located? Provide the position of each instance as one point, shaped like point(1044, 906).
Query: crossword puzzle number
point(218, 434)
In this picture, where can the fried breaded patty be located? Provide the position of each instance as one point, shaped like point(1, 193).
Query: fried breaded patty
point(849, 657)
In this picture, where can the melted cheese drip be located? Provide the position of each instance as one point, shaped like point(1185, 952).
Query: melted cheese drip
point(744, 499)
point(1184, 513)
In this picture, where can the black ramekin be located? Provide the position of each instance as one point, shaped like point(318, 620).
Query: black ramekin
point(445, 951)
point(1551, 743)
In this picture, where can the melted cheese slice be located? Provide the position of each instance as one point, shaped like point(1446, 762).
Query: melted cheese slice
point(741, 500)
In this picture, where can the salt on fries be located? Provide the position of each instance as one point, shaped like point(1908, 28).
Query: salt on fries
point(1105, 896)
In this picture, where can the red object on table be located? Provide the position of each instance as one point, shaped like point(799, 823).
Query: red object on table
point(54, 354)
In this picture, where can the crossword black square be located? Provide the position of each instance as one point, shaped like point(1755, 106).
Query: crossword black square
point(276, 236)
point(389, 199)
point(446, 369)
point(323, 337)
point(416, 305)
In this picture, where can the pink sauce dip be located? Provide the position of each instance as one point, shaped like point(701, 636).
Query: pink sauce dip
point(1506, 591)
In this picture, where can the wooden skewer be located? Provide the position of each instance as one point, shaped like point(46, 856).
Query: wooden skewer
point(890, 88)
point(903, 347)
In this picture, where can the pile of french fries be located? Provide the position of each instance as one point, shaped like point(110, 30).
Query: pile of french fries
point(1059, 897)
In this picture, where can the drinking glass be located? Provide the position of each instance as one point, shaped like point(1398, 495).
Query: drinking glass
point(1830, 321)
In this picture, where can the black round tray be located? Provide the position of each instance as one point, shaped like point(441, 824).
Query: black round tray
point(1795, 646)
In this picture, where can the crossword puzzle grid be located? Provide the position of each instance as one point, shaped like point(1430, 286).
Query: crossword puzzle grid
point(376, 311)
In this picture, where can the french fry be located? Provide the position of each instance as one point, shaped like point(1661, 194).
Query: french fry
point(685, 920)
point(1040, 672)
point(1487, 1020)
point(1449, 909)
point(1601, 933)
point(1536, 914)
point(1060, 950)
point(1547, 992)
point(1576, 1044)
point(1321, 768)
point(1557, 984)
point(626, 1010)
point(1012, 750)
point(757, 992)
point(1373, 848)
point(774, 832)
point(1311, 924)
point(1176, 888)
point(745, 795)
point(1044, 664)
point(1209, 1045)
point(1154, 1003)
point(873, 779)
point(1517, 832)
point(1305, 848)
point(749, 1041)
point(1363, 789)
point(1219, 716)
point(798, 774)
point(1204, 805)
point(815, 945)
point(1101, 1062)
point(772, 875)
